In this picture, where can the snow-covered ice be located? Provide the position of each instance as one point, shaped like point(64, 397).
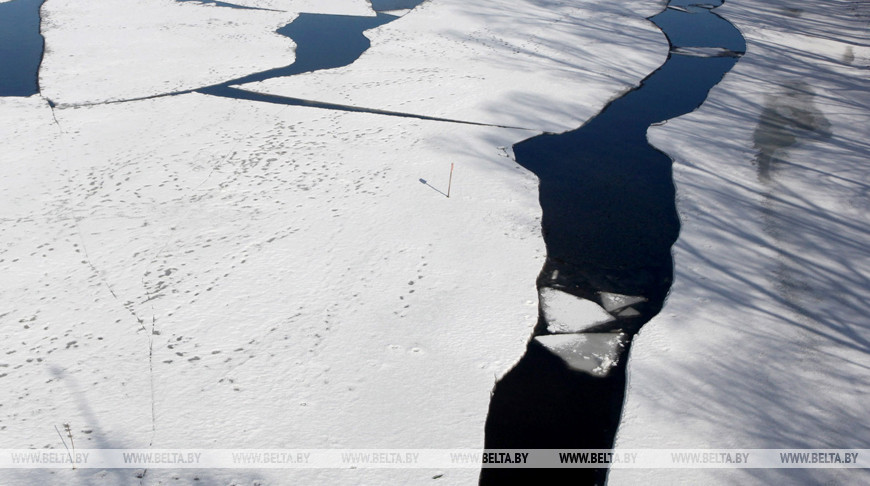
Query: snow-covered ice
point(286, 276)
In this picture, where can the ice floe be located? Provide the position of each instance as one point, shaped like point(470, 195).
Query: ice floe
point(567, 313)
point(592, 353)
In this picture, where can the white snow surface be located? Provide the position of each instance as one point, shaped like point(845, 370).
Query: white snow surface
point(200, 272)
point(764, 340)
point(567, 313)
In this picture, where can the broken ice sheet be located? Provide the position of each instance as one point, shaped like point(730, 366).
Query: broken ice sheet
point(618, 302)
point(592, 353)
point(566, 313)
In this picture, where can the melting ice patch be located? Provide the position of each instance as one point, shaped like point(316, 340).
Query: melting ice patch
point(592, 353)
point(566, 313)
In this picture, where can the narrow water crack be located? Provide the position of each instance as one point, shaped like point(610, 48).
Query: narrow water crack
point(51, 106)
point(237, 93)
point(128, 306)
point(229, 5)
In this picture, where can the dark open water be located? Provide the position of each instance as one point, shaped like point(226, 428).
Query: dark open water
point(609, 220)
point(21, 47)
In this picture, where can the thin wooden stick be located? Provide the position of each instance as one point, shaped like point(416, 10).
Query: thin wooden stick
point(73, 444)
point(66, 447)
point(450, 182)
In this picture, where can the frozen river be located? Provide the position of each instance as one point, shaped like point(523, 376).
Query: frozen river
point(607, 198)
point(298, 164)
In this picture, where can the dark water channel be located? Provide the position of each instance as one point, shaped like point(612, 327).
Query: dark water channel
point(21, 47)
point(609, 220)
point(323, 41)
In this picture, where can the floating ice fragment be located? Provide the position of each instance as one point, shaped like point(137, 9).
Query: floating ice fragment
point(627, 312)
point(566, 313)
point(592, 353)
point(617, 302)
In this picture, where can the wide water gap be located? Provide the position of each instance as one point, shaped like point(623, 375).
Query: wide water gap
point(609, 221)
point(21, 47)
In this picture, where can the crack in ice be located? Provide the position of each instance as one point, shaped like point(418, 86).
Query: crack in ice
point(609, 221)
